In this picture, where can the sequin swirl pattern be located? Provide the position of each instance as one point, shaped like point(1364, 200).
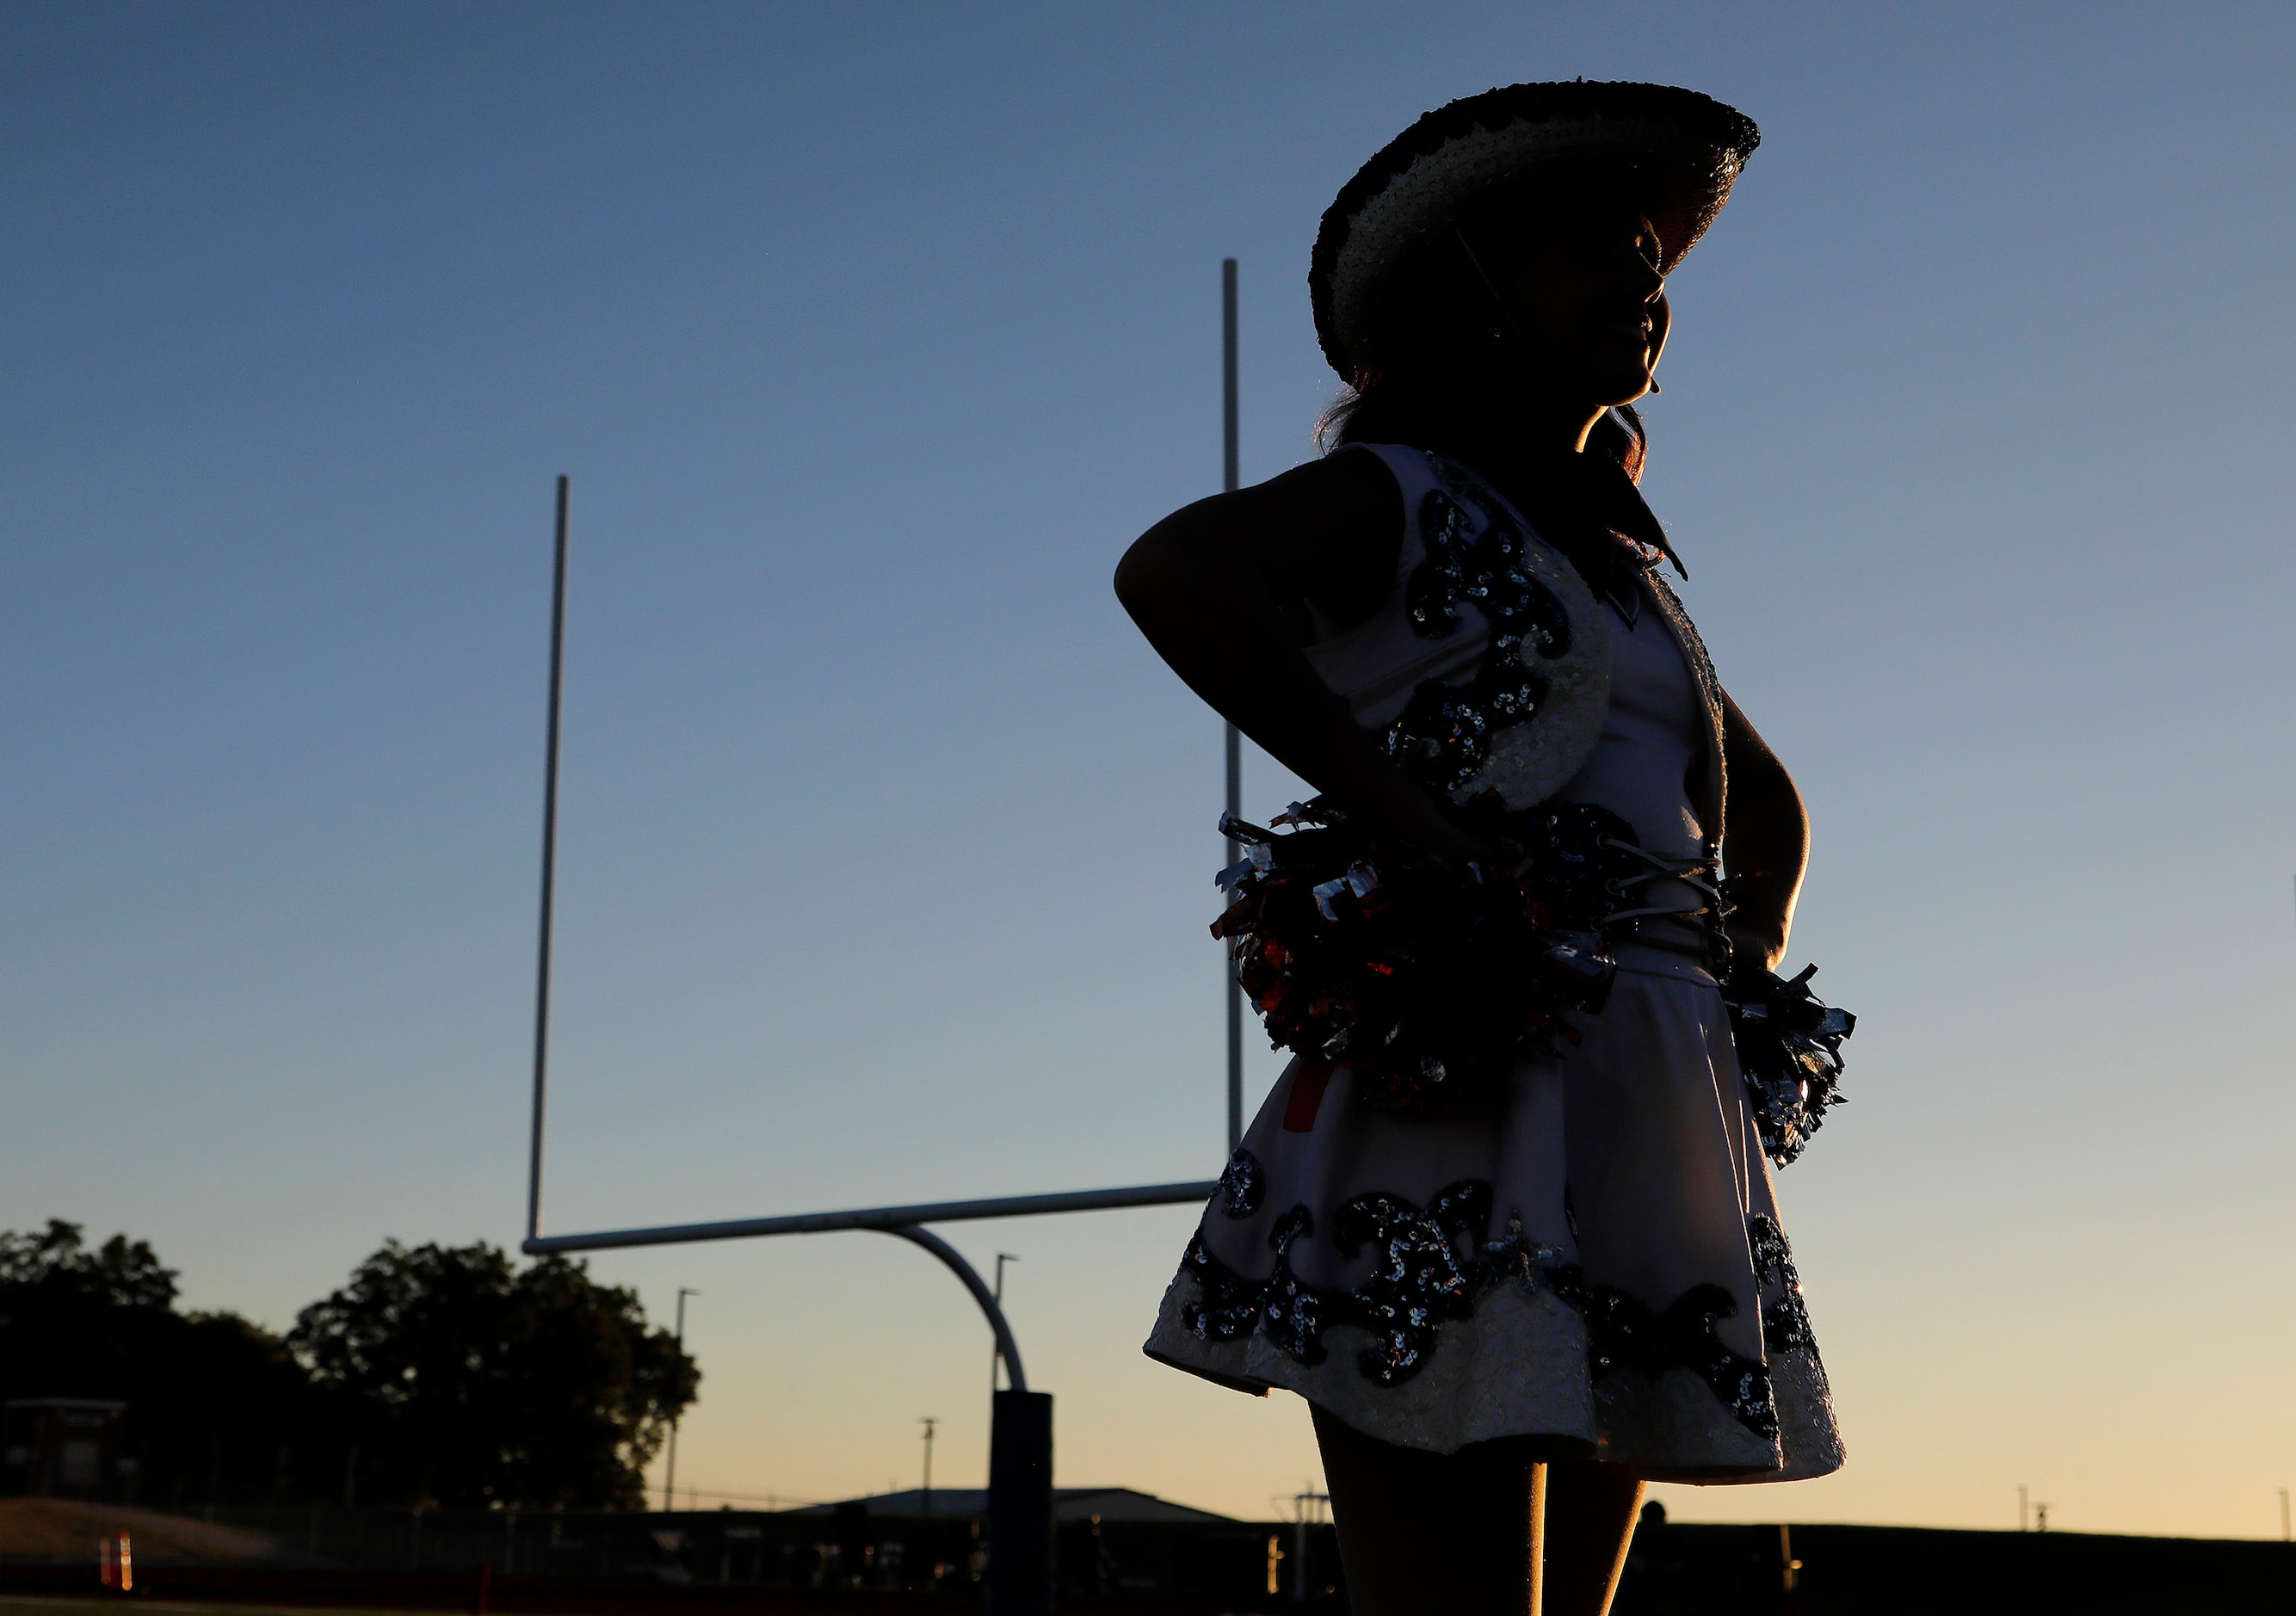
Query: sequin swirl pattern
point(1241, 1184)
point(1785, 1322)
point(1442, 738)
point(1626, 1334)
point(1229, 1306)
point(1294, 1312)
point(1420, 1282)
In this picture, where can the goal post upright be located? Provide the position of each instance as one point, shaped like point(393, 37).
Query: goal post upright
point(1231, 479)
point(1021, 1423)
point(549, 871)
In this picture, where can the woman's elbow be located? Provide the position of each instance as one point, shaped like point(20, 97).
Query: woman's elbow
point(1133, 573)
point(1147, 578)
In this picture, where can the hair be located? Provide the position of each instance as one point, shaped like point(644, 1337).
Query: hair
point(1433, 381)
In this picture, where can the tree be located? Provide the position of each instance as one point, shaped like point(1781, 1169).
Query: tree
point(441, 1374)
point(56, 1265)
point(465, 1382)
point(215, 1406)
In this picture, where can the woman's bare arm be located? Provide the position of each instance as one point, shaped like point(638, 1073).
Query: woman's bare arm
point(1211, 585)
point(1765, 842)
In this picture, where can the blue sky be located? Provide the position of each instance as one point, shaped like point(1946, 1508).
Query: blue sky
point(869, 336)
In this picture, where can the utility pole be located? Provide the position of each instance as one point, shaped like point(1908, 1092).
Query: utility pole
point(2283, 1515)
point(1234, 739)
point(996, 1356)
point(670, 1465)
point(2021, 1506)
point(929, 1421)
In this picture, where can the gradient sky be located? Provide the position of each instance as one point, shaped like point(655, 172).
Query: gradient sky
point(870, 335)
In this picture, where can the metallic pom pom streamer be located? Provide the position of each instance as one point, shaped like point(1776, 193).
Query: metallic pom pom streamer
point(1789, 1051)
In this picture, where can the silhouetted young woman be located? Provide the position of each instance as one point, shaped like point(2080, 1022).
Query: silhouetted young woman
point(1512, 1304)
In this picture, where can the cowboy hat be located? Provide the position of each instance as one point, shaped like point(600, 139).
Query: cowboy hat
point(1673, 152)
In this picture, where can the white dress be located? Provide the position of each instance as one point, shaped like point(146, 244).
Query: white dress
point(1593, 1251)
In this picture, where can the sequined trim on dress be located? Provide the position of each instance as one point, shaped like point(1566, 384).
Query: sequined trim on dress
point(1785, 1322)
point(1419, 1282)
point(1443, 736)
point(1623, 1333)
point(1449, 580)
point(1240, 1185)
point(1230, 1305)
point(1294, 1312)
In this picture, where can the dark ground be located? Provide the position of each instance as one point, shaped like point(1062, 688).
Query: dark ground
point(1675, 1571)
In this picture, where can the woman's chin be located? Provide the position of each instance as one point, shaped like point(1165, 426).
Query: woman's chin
point(1606, 385)
point(1627, 384)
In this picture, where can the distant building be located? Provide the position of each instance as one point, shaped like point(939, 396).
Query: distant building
point(60, 1445)
point(1110, 1504)
point(1106, 1540)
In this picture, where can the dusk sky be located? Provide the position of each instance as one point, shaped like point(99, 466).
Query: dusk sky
point(870, 335)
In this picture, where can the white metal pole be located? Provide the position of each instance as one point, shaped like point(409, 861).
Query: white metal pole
point(1235, 740)
point(549, 873)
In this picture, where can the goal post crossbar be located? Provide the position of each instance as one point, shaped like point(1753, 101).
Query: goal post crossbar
point(876, 1217)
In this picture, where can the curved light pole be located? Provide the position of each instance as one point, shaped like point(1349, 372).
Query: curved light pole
point(971, 1276)
point(1020, 1456)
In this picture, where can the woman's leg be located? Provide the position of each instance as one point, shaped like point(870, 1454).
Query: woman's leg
point(1487, 1531)
point(1424, 1534)
point(1591, 1509)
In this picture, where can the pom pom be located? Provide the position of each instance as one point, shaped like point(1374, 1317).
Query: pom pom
point(1789, 1051)
point(1420, 978)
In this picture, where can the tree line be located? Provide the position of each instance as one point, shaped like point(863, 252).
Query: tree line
point(437, 1375)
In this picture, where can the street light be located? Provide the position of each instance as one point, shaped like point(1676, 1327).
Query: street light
point(669, 1466)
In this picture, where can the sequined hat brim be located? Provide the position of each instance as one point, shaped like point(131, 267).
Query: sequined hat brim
point(1678, 151)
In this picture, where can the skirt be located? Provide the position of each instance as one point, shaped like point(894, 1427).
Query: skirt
point(1591, 1251)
